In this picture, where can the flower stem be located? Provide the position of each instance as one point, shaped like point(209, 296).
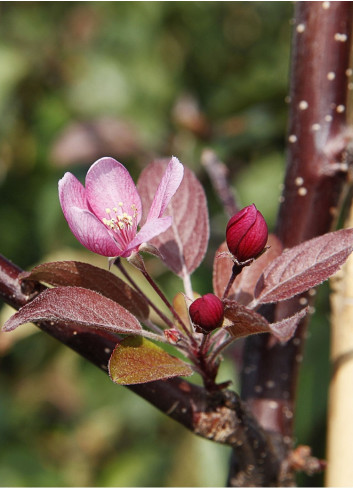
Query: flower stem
point(153, 326)
point(236, 270)
point(167, 321)
point(220, 348)
point(203, 345)
point(168, 304)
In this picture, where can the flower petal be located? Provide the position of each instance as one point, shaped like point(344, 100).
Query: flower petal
point(92, 233)
point(108, 183)
point(71, 193)
point(169, 185)
point(85, 226)
point(148, 231)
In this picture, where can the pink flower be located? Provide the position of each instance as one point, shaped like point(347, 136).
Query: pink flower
point(104, 214)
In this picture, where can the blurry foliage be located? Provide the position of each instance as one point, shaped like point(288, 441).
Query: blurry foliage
point(135, 81)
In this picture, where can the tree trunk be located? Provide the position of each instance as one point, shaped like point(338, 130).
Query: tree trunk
point(314, 185)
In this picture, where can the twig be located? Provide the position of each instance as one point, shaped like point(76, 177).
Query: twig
point(219, 416)
point(218, 174)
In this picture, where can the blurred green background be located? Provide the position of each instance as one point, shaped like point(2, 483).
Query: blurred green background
point(136, 81)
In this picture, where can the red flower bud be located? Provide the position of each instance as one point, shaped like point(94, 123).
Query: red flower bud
point(172, 335)
point(246, 233)
point(207, 313)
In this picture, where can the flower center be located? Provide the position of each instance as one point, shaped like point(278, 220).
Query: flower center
point(120, 221)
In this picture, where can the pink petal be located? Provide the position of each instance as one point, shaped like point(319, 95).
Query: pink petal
point(85, 226)
point(108, 183)
point(92, 233)
point(148, 231)
point(71, 193)
point(169, 185)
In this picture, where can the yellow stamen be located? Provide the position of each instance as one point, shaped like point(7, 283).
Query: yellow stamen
point(121, 220)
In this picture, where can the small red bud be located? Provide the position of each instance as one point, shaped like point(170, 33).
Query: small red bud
point(207, 313)
point(246, 233)
point(172, 335)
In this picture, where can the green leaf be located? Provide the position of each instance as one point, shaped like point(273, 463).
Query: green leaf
point(136, 361)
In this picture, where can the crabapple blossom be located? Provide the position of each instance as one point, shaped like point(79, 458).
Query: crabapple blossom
point(105, 213)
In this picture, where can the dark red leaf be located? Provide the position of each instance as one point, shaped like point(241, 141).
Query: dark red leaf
point(136, 361)
point(222, 270)
point(243, 287)
point(285, 329)
point(304, 266)
point(247, 322)
point(184, 244)
point(76, 306)
point(77, 274)
point(244, 321)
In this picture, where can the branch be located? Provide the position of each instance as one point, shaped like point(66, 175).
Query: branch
point(315, 178)
point(218, 416)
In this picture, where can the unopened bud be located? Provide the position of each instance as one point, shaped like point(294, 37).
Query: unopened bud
point(207, 313)
point(246, 234)
point(172, 335)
